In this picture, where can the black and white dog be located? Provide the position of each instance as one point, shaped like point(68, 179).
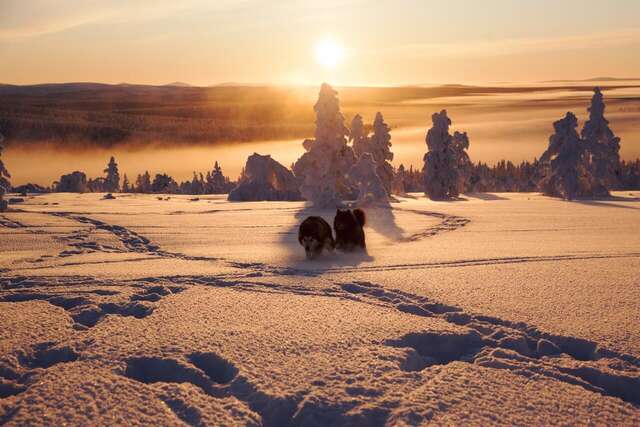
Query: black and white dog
point(315, 235)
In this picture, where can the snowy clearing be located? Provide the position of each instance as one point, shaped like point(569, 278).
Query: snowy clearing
point(497, 308)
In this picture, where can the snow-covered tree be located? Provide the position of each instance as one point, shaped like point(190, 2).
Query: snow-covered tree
point(96, 185)
point(603, 146)
point(143, 183)
point(165, 184)
point(629, 175)
point(323, 168)
point(5, 185)
point(371, 190)
point(566, 171)
point(126, 185)
point(217, 183)
point(442, 162)
point(75, 182)
point(197, 184)
point(460, 145)
point(380, 148)
point(399, 177)
point(359, 136)
point(112, 180)
point(409, 180)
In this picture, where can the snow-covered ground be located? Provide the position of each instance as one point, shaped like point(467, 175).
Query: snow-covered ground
point(498, 308)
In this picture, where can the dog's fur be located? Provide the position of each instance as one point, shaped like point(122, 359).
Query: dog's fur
point(315, 235)
point(349, 230)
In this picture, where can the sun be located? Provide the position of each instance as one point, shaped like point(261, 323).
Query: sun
point(329, 54)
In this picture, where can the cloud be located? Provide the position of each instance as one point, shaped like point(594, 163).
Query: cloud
point(32, 18)
point(27, 19)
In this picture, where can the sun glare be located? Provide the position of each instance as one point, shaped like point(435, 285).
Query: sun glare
point(329, 54)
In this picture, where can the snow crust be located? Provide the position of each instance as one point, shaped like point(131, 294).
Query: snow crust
point(491, 309)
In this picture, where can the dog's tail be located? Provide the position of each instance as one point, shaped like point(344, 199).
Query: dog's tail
point(360, 216)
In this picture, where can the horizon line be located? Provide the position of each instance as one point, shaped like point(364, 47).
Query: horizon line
point(181, 84)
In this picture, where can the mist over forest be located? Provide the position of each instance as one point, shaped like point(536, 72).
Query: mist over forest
point(82, 115)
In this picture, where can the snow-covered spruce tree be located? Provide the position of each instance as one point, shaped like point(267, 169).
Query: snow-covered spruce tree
point(323, 168)
point(112, 180)
point(629, 175)
point(96, 185)
point(380, 148)
point(441, 163)
point(565, 168)
point(164, 184)
point(411, 180)
point(197, 184)
point(371, 190)
point(126, 185)
point(460, 145)
point(400, 180)
point(143, 183)
point(5, 185)
point(358, 135)
point(217, 183)
point(398, 185)
point(602, 145)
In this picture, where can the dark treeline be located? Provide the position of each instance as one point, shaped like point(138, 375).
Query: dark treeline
point(505, 176)
point(213, 182)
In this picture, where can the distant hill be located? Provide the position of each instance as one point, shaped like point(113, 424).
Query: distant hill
point(612, 79)
point(49, 88)
point(597, 79)
point(178, 84)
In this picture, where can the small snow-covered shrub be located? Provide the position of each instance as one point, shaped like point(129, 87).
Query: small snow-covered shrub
point(75, 182)
point(265, 179)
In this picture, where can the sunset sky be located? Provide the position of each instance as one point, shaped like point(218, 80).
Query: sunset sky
point(347, 42)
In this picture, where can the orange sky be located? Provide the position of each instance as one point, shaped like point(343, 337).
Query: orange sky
point(257, 41)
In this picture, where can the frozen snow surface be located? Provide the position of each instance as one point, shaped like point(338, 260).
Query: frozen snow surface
point(490, 309)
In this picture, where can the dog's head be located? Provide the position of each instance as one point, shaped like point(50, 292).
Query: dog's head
point(344, 220)
point(311, 246)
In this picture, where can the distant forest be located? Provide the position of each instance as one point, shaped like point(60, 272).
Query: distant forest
point(86, 114)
